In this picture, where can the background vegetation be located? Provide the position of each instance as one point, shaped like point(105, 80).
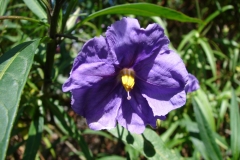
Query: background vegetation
point(39, 40)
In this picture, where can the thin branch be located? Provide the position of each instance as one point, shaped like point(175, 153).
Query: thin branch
point(71, 37)
point(23, 18)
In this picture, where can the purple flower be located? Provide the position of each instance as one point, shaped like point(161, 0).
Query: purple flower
point(130, 77)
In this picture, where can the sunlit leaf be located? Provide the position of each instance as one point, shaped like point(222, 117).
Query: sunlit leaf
point(142, 9)
point(209, 53)
point(148, 143)
point(100, 133)
point(145, 9)
point(3, 6)
point(186, 39)
point(37, 8)
point(132, 153)
point(113, 157)
point(166, 135)
point(14, 68)
point(206, 134)
point(66, 18)
point(200, 147)
point(235, 126)
point(204, 105)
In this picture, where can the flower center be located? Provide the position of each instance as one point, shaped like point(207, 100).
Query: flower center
point(128, 81)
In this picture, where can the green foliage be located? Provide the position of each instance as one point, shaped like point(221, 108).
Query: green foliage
point(144, 9)
point(148, 143)
point(235, 126)
point(37, 8)
point(40, 39)
point(203, 104)
point(35, 136)
point(3, 6)
point(14, 68)
point(207, 135)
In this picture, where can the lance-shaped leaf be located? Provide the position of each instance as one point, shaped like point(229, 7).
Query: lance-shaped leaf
point(14, 68)
point(142, 9)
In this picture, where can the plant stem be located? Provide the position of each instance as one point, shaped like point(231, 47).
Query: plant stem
point(51, 47)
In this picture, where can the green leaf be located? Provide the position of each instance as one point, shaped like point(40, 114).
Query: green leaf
point(234, 58)
point(71, 5)
point(209, 53)
point(145, 9)
point(34, 137)
point(100, 133)
point(132, 153)
point(65, 122)
point(212, 16)
point(186, 39)
point(206, 134)
point(14, 68)
point(235, 126)
point(59, 21)
point(204, 105)
point(3, 6)
point(148, 143)
point(223, 109)
point(221, 141)
point(200, 147)
point(166, 135)
point(142, 9)
point(111, 158)
point(37, 8)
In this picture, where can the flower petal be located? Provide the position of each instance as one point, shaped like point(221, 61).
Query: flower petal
point(135, 113)
point(192, 84)
point(92, 64)
point(130, 43)
point(162, 100)
point(87, 74)
point(165, 70)
point(95, 50)
point(99, 104)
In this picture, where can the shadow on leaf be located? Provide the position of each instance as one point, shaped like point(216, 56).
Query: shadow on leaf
point(129, 138)
point(148, 147)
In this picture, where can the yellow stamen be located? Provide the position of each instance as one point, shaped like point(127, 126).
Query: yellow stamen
point(128, 81)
